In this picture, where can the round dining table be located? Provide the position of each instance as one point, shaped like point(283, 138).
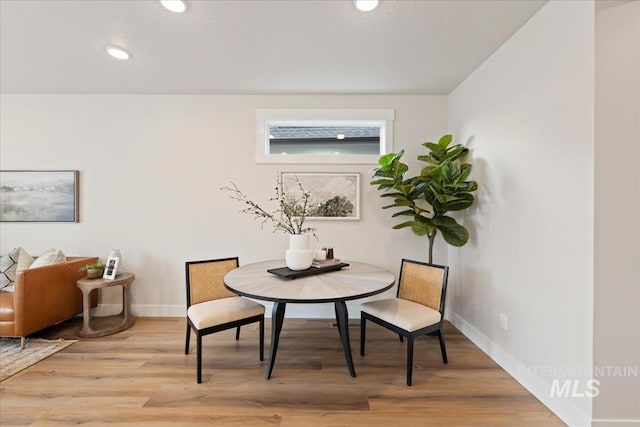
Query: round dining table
point(353, 281)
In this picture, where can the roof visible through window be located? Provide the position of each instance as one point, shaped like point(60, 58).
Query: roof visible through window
point(324, 140)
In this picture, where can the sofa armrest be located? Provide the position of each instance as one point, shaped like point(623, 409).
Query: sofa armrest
point(46, 295)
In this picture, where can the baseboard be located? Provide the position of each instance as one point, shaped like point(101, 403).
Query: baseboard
point(304, 311)
point(566, 410)
point(143, 310)
point(598, 422)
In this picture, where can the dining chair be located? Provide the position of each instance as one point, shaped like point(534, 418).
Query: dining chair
point(213, 308)
point(418, 308)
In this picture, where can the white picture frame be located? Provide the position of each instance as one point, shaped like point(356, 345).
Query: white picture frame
point(111, 269)
point(325, 188)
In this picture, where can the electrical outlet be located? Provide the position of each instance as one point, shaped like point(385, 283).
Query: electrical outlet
point(503, 321)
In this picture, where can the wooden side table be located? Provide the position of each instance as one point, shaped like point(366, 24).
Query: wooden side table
point(109, 324)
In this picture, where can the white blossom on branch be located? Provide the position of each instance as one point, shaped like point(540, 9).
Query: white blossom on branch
point(288, 217)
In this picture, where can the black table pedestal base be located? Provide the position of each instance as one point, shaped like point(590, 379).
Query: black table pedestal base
point(277, 319)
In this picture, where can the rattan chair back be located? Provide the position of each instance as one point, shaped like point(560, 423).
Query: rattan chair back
point(205, 280)
point(423, 283)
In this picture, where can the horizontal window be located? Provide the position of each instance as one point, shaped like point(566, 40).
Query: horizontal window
point(323, 136)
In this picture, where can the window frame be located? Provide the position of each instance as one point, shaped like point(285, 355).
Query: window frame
point(328, 117)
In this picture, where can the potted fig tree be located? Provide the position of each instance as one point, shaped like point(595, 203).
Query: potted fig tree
point(425, 199)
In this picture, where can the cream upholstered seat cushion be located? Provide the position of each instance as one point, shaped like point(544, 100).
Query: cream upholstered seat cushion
point(403, 313)
point(219, 311)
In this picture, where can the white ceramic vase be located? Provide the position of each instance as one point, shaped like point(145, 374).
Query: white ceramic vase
point(299, 256)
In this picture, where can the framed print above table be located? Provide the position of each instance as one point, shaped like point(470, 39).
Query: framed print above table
point(334, 196)
point(39, 195)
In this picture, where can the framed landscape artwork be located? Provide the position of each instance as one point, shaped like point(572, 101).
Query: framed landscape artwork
point(39, 196)
point(334, 196)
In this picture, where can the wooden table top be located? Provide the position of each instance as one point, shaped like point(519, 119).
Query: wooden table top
point(359, 280)
point(122, 278)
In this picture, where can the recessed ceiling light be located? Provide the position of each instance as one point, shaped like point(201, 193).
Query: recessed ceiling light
point(366, 5)
point(117, 52)
point(177, 6)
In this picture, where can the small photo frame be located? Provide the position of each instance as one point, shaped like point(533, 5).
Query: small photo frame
point(111, 269)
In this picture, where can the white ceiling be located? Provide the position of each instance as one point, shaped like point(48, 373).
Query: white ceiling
point(251, 46)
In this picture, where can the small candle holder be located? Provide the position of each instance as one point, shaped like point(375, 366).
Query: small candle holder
point(329, 251)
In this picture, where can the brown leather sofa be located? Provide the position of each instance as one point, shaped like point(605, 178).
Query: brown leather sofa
point(43, 296)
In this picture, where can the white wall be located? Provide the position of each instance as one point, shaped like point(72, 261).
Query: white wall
point(617, 215)
point(150, 171)
point(527, 113)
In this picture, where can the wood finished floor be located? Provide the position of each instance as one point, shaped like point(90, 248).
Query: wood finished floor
point(141, 377)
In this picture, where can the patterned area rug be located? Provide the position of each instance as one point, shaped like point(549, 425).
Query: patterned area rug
point(14, 360)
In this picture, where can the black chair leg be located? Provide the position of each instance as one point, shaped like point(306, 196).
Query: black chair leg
point(442, 346)
point(186, 341)
point(237, 333)
point(199, 356)
point(409, 359)
point(363, 332)
point(261, 339)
